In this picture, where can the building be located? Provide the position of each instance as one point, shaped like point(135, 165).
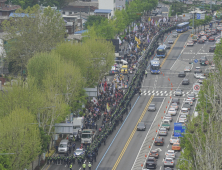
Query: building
point(94, 3)
point(108, 5)
point(6, 10)
point(103, 12)
point(70, 9)
point(120, 4)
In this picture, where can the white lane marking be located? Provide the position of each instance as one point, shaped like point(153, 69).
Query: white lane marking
point(148, 134)
point(168, 146)
point(160, 167)
point(148, 91)
point(161, 91)
point(157, 92)
point(165, 92)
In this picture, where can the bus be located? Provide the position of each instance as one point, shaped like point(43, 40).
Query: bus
point(182, 27)
point(161, 51)
point(155, 66)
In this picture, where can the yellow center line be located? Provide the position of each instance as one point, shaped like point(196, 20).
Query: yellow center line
point(132, 134)
point(170, 50)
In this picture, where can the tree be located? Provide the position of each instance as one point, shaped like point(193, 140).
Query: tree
point(58, 3)
point(37, 31)
point(20, 135)
point(23, 3)
point(93, 19)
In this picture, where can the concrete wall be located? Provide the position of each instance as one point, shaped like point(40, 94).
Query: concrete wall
point(108, 4)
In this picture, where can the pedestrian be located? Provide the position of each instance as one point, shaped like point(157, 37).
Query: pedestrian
point(89, 165)
point(70, 167)
point(146, 73)
point(84, 166)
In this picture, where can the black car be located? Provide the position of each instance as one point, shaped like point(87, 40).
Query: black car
point(168, 46)
point(151, 162)
point(159, 141)
point(176, 100)
point(185, 82)
point(141, 126)
point(201, 41)
point(182, 74)
point(212, 48)
point(203, 61)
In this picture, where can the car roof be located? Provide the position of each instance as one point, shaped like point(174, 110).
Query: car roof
point(171, 151)
point(184, 109)
point(198, 67)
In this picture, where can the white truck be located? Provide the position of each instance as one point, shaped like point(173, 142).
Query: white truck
point(78, 123)
point(88, 136)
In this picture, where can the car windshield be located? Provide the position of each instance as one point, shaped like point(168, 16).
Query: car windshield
point(154, 152)
point(183, 116)
point(152, 105)
point(168, 160)
point(176, 145)
point(174, 137)
point(178, 90)
point(86, 136)
point(171, 109)
point(141, 124)
point(62, 145)
point(174, 104)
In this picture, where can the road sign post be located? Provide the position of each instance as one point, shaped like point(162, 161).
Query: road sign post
point(196, 87)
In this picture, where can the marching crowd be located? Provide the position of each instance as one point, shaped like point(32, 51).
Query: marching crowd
point(110, 99)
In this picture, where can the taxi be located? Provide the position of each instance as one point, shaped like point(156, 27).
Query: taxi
point(176, 147)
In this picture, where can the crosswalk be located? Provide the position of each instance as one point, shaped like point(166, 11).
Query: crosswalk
point(161, 93)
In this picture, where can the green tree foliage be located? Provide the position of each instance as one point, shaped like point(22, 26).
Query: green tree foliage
point(20, 135)
point(94, 57)
point(37, 31)
point(4, 160)
point(93, 19)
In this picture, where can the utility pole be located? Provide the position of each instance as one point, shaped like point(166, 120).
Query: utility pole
point(80, 21)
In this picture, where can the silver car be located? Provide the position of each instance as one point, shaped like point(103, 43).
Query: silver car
point(184, 111)
point(172, 111)
point(189, 101)
point(175, 106)
point(200, 80)
point(170, 41)
point(168, 162)
point(152, 107)
point(174, 140)
point(197, 75)
point(182, 119)
point(191, 96)
point(168, 117)
point(170, 154)
point(163, 131)
point(178, 92)
point(187, 69)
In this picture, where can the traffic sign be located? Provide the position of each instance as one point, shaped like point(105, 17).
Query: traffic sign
point(200, 16)
point(196, 87)
point(178, 129)
point(207, 62)
point(195, 61)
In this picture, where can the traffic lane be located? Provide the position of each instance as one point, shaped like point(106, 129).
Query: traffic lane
point(167, 146)
point(138, 138)
point(123, 135)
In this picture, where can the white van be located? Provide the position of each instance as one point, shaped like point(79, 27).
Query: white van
point(63, 146)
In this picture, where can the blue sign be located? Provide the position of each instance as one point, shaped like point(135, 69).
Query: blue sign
point(178, 129)
point(195, 61)
point(198, 16)
point(210, 24)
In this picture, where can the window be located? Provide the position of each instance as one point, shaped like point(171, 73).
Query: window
point(63, 12)
point(70, 12)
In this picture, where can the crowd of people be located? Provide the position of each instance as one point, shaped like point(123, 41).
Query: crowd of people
point(110, 105)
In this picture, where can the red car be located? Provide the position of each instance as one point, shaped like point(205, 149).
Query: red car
point(212, 39)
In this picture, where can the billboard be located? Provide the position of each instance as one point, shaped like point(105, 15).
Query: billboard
point(178, 129)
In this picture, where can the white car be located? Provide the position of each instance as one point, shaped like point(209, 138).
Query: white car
point(174, 139)
point(201, 78)
point(168, 117)
point(168, 162)
point(202, 33)
point(190, 43)
point(184, 111)
point(182, 119)
point(163, 131)
point(198, 75)
point(218, 41)
point(170, 154)
point(172, 111)
point(189, 101)
point(187, 69)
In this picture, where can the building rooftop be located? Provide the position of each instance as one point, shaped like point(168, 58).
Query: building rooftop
point(21, 15)
point(80, 32)
point(103, 11)
point(9, 7)
point(81, 3)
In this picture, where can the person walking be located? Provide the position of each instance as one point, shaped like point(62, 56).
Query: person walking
point(84, 166)
point(146, 73)
point(70, 167)
point(89, 165)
